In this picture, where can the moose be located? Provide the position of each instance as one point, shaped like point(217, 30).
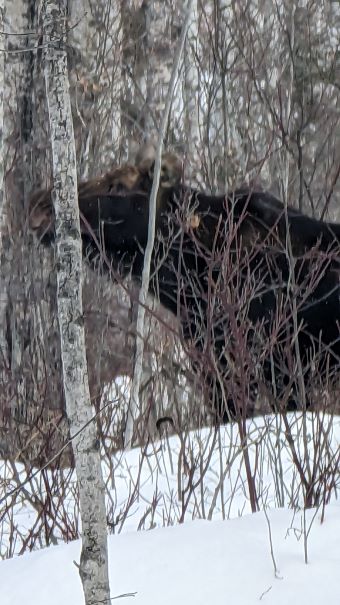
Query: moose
point(242, 272)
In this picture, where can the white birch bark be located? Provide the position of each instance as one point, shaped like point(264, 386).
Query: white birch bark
point(135, 410)
point(148, 55)
point(191, 97)
point(11, 309)
point(286, 161)
point(93, 567)
point(224, 139)
point(3, 217)
point(2, 86)
point(96, 76)
point(159, 61)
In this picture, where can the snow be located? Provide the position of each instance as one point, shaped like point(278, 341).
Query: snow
point(216, 555)
point(199, 562)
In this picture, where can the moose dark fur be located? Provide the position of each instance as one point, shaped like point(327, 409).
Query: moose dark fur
point(254, 284)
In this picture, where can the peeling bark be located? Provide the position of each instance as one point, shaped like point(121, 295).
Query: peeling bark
point(93, 567)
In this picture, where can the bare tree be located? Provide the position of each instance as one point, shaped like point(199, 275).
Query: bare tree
point(95, 74)
point(3, 221)
point(135, 406)
point(93, 567)
point(2, 86)
point(191, 95)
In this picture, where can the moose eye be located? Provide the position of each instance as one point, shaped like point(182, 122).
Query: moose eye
point(118, 188)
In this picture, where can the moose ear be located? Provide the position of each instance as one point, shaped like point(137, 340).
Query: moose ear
point(40, 210)
point(145, 159)
point(171, 167)
point(171, 170)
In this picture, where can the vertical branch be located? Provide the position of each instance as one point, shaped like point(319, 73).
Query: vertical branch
point(2, 86)
point(134, 403)
point(158, 60)
point(95, 76)
point(191, 93)
point(3, 214)
point(289, 251)
point(289, 104)
point(93, 567)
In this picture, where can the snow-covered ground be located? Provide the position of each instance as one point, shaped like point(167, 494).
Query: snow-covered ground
point(204, 547)
point(199, 563)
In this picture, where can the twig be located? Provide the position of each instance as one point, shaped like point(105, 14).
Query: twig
point(276, 571)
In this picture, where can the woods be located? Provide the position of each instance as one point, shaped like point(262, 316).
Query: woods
point(245, 96)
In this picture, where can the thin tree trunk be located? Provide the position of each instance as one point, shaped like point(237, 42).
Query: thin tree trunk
point(191, 98)
point(96, 80)
point(223, 134)
point(3, 218)
point(135, 410)
point(290, 91)
point(2, 86)
point(93, 567)
point(159, 60)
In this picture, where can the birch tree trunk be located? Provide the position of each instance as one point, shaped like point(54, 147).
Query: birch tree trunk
point(191, 98)
point(3, 219)
point(96, 80)
point(288, 110)
point(135, 407)
point(94, 560)
point(2, 86)
point(150, 35)
point(222, 133)
point(159, 60)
